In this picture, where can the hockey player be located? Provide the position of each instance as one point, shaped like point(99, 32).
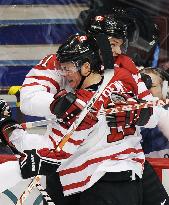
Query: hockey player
point(143, 34)
point(89, 154)
point(19, 140)
point(119, 31)
point(84, 49)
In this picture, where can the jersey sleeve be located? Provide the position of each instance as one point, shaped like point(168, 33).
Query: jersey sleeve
point(40, 85)
point(124, 81)
point(127, 63)
point(160, 117)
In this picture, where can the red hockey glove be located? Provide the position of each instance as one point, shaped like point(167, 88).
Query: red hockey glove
point(62, 102)
point(68, 106)
point(122, 117)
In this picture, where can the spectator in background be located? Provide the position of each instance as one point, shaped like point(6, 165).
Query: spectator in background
point(155, 141)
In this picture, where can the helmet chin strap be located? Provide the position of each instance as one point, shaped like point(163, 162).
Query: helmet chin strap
point(106, 51)
point(82, 79)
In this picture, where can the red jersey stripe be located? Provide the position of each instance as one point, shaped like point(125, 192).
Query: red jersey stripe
point(53, 141)
point(33, 84)
point(77, 184)
point(75, 142)
point(53, 82)
point(57, 132)
point(6, 158)
point(143, 94)
point(96, 160)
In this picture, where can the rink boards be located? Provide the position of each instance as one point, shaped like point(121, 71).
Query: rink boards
point(9, 197)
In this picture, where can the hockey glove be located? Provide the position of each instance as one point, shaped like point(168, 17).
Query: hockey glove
point(5, 110)
point(67, 106)
point(32, 164)
point(7, 125)
point(62, 102)
point(125, 118)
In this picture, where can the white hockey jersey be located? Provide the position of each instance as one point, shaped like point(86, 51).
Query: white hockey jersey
point(90, 152)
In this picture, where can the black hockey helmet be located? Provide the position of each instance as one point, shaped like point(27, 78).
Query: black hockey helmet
point(136, 27)
point(116, 26)
point(108, 25)
point(110, 21)
point(80, 49)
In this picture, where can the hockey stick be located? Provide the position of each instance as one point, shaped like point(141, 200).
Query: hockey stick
point(29, 125)
point(34, 183)
point(44, 194)
point(136, 106)
point(28, 190)
point(125, 107)
point(10, 156)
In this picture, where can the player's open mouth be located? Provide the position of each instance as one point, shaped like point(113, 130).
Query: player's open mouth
point(70, 81)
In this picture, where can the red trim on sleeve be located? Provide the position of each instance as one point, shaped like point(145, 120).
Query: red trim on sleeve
point(53, 82)
point(33, 84)
point(144, 94)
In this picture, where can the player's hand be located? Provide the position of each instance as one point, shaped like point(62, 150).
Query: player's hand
point(32, 164)
point(119, 117)
point(5, 110)
point(7, 125)
point(67, 106)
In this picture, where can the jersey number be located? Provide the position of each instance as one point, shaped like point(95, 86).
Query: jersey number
point(44, 61)
point(119, 133)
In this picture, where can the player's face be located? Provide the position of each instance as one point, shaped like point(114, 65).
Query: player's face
point(71, 73)
point(116, 46)
point(156, 88)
